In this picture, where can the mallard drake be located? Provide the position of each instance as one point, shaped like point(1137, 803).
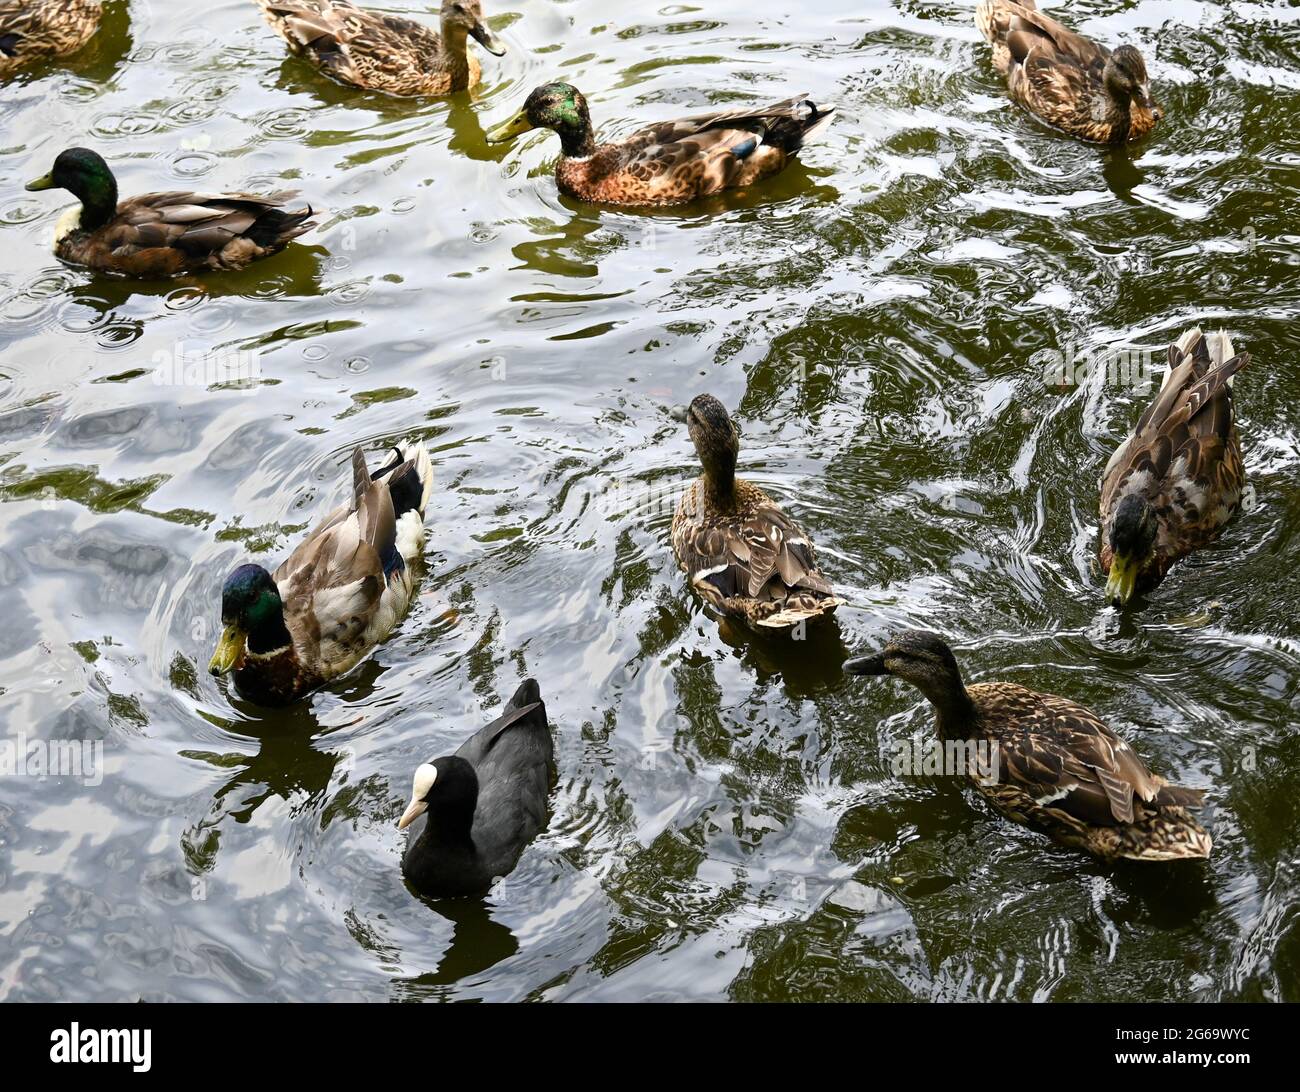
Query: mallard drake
point(337, 595)
point(1047, 762)
point(158, 235)
point(380, 52)
point(1178, 479)
point(32, 30)
point(1066, 79)
point(472, 813)
point(671, 162)
point(746, 557)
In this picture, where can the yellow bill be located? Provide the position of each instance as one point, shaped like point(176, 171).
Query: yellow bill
point(230, 651)
point(516, 126)
point(1122, 580)
point(45, 182)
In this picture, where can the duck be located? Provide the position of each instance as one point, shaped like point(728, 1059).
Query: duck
point(473, 813)
point(670, 162)
point(1178, 479)
point(155, 236)
point(337, 595)
point(1070, 81)
point(376, 51)
point(1047, 762)
point(744, 556)
point(33, 30)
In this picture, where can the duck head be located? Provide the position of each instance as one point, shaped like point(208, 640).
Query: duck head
point(1126, 80)
point(557, 106)
point(253, 616)
point(1133, 531)
point(461, 17)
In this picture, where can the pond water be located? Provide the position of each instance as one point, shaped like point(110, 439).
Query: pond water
point(727, 824)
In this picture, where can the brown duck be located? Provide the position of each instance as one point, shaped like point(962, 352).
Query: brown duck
point(1174, 484)
point(157, 235)
point(672, 162)
point(380, 52)
point(746, 557)
point(34, 30)
point(1047, 762)
point(1066, 79)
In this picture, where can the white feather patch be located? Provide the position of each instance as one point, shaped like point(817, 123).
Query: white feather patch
point(425, 775)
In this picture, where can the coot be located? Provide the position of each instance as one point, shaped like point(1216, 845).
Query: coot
point(472, 813)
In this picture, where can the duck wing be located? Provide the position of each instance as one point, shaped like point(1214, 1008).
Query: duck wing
point(1064, 757)
point(1184, 455)
point(333, 583)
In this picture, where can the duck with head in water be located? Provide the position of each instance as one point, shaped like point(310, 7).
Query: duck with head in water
point(473, 813)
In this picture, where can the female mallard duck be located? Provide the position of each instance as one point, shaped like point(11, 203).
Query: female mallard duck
point(672, 162)
point(746, 557)
point(1178, 479)
point(1066, 79)
point(1046, 762)
point(31, 30)
point(485, 803)
point(380, 52)
point(159, 235)
point(337, 595)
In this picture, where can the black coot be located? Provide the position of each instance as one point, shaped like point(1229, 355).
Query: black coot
point(472, 813)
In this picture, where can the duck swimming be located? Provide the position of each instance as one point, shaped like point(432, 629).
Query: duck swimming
point(1066, 79)
point(339, 593)
point(473, 813)
point(376, 51)
point(670, 162)
point(159, 235)
point(1051, 764)
point(739, 550)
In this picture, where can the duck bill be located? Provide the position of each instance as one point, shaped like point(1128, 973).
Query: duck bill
point(230, 651)
point(413, 811)
point(1147, 103)
point(488, 40)
point(1122, 581)
point(516, 126)
point(866, 665)
point(45, 182)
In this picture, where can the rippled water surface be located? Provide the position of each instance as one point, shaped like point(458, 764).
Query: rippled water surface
point(726, 822)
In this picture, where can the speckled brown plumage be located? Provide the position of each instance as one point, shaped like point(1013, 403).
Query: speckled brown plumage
point(381, 52)
point(1183, 458)
point(33, 30)
point(741, 553)
point(1048, 762)
point(1066, 79)
point(670, 162)
point(1107, 801)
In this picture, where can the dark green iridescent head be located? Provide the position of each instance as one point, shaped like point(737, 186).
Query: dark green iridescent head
point(558, 106)
point(84, 174)
point(253, 616)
